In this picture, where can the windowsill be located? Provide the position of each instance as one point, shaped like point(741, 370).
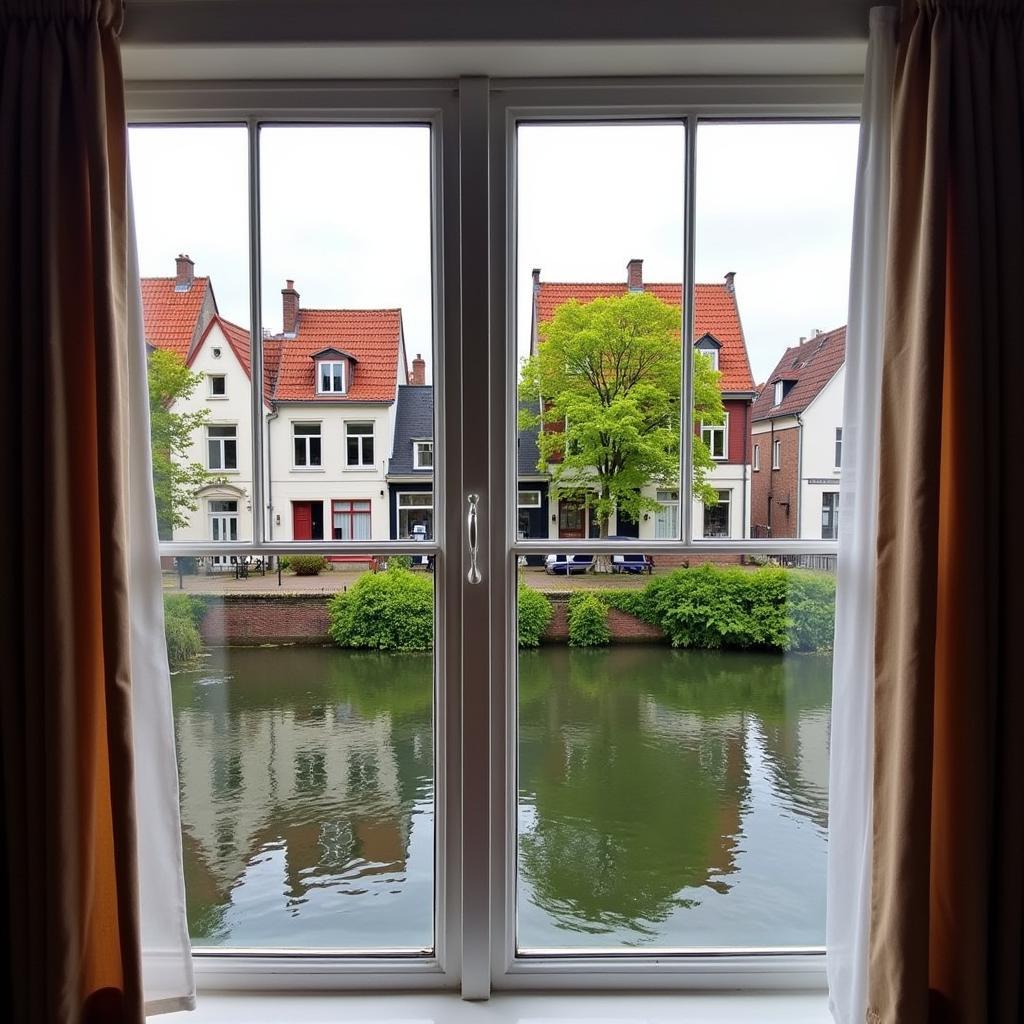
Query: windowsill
point(358, 469)
point(225, 472)
point(508, 1008)
point(216, 398)
point(308, 469)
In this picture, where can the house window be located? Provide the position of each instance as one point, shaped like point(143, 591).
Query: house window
point(715, 437)
point(839, 447)
point(716, 517)
point(711, 352)
point(830, 515)
point(223, 520)
point(415, 515)
point(358, 444)
point(666, 519)
point(221, 447)
point(529, 499)
point(331, 377)
point(757, 457)
point(423, 455)
point(351, 519)
point(779, 390)
point(217, 385)
point(306, 445)
point(777, 454)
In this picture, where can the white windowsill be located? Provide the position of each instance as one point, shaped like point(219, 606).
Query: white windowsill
point(509, 1008)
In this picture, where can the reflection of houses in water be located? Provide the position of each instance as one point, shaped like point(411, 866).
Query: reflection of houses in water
point(797, 752)
point(323, 784)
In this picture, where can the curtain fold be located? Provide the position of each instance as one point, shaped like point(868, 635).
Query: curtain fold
point(947, 904)
point(849, 843)
point(69, 877)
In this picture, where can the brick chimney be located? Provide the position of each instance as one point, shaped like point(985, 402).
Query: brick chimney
point(730, 282)
point(635, 275)
point(419, 371)
point(289, 308)
point(184, 273)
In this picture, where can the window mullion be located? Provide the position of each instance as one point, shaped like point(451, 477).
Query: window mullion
point(686, 334)
point(256, 334)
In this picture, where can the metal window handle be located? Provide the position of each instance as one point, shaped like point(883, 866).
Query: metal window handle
point(473, 576)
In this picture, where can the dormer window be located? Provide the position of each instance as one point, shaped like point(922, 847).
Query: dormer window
point(780, 389)
point(331, 377)
point(707, 346)
point(423, 455)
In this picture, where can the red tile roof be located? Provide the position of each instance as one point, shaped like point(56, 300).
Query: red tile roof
point(810, 366)
point(716, 313)
point(372, 336)
point(170, 316)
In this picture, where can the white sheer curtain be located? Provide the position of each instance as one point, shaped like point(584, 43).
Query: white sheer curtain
point(850, 773)
point(167, 978)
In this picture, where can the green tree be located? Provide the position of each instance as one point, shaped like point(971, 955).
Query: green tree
point(607, 373)
point(176, 480)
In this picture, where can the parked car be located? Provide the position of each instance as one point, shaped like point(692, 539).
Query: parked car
point(635, 564)
point(568, 565)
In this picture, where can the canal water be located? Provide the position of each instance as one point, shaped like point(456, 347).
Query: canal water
point(666, 798)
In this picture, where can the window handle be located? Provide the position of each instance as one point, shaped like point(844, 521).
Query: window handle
point(473, 576)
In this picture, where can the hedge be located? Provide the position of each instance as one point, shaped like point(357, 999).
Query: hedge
point(535, 613)
point(588, 620)
point(385, 611)
point(182, 615)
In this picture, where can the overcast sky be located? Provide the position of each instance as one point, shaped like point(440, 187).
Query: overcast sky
point(345, 213)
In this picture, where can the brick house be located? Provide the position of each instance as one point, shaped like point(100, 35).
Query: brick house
point(796, 441)
point(718, 333)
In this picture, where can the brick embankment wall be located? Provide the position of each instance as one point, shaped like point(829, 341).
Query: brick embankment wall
point(625, 628)
point(245, 620)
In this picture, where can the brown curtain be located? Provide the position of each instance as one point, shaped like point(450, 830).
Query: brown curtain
point(67, 853)
point(947, 903)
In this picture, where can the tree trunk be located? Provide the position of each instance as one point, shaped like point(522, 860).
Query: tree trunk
point(603, 563)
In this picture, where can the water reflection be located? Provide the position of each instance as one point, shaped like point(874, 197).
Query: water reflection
point(667, 798)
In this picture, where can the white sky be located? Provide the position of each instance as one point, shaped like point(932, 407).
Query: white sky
point(345, 213)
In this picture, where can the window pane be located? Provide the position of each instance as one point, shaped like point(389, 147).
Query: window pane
point(347, 293)
point(787, 276)
point(674, 796)
point(189, 193)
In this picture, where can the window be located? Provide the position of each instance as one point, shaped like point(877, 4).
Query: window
point(777, 454)
point(716, 517)
point(666, 519)
point(423, 455)
point(223, 520)
point(416, 515)
point(351, 519)
point(331, 376)
point(779, 392)
point(830, 515)
point(306, 445)
point(839, 447)
point(529, 499)
point(217, 384)
point(359, 444)
point(221, 447)
point(757, 457)
point(716, 437)
point(710, 351)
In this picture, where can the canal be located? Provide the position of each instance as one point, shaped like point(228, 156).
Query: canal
point(666, 798)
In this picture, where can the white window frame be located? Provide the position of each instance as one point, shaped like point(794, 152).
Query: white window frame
point(307, 466)
point(669, 505)
point(474, 131)
point(839, 448)
point(756, 463)
point(712, 353)
point(779, 393)
point(340, 363)
point(727, 501)
point(528, 504)
point(210, 392)
point(361, 435)
point(419, 447)
point(777, 453)
point(220, 443)
point(713, 430)
point(399, 507)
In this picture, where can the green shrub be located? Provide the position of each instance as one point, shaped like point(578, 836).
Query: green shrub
point(184, 606)
point(534, 615)
point(399, 561)
point(284, 562)
point(811, 606)
point(588, 621)
point(385, 611)
point(307, 565)
point(182, 615)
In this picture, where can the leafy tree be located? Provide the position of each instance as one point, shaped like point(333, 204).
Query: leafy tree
point(176, 481)
point(608, 375)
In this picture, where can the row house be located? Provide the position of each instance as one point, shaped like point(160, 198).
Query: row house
point(718, 334)
point(797, 441)
point(332, 379)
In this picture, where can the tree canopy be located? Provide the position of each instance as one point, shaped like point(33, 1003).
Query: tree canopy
point(176, 480)
point(607, 377)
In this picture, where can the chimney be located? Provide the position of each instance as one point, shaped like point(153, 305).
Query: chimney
point(730, 282)
point(184, 273)
point(635, 275)
point(419, 370)
point(289, 308)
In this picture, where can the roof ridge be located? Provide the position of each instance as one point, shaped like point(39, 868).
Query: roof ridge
point(623, 284)
point(349, 309)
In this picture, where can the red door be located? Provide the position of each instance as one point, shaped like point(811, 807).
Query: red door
point(302, 520)
point(571, 519)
